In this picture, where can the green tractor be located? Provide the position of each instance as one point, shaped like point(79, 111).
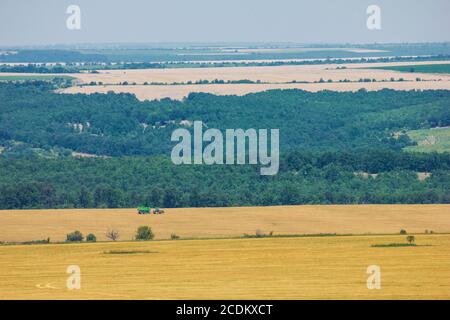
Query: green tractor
point(144, 210)
point(148, 210)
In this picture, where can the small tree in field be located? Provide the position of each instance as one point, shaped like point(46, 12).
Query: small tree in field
point(410, 239)
point(75, 236)
point(144, 233)
point(91, 237)
point(112, 235)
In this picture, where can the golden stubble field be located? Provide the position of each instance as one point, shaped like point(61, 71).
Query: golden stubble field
point(272, 77)
point(179, 92)
point(271, 74)
point(269, 268)
point(27, 225)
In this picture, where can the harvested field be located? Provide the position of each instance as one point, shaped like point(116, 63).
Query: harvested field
point(274, 77)
point(179, 92)
point(270, 268)
point(270, 74)
point(307, 77)
point(27, 225)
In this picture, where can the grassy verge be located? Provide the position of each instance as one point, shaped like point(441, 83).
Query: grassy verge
point(393, 245)
point(128, 252)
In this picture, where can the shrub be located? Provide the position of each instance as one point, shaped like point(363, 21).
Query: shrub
point(74, 236)
point(91, 238)
point(391, 245)
point(36, 241)
point(403, 231)
point(127, 251)
point(144, 233)
point(174, 236)
point(112, 235)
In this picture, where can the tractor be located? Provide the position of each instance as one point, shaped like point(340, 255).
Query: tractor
point(148, 210)
point(144, 210)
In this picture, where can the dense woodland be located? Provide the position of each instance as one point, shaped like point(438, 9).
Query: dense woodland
point(321, 178)
point(329, 142)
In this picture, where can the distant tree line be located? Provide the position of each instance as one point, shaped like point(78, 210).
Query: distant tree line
point(311, 178)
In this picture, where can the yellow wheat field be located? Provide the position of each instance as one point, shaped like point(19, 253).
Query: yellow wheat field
point(179, 92)
point(27, 225)
point(272, 77)
point(268, 268)
point(270, 74)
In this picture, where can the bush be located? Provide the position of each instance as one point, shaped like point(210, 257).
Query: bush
point(392, 245)
point(403, 231)
point(36, 241)
point(173, 236)
point(91, 238)
point(75, 236)
point(410, 239)
point(144, 233)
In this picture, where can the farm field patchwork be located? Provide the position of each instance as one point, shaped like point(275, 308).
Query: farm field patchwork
point(307, 77)
point(270, 74)
point(28, 225)
point(269, 268)
point(337, 77)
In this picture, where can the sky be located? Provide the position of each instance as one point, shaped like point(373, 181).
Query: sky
point(43, 22)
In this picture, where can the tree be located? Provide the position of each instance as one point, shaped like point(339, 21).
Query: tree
point(75, 236)
point(154, 197)
point(106, 196)
point(84, 198)
point(410, 239)
point(112, 235)
point(91, 238)
point(144, 233)
point(171, 198)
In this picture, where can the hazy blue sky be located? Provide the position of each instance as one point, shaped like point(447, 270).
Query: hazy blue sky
point(25, 22)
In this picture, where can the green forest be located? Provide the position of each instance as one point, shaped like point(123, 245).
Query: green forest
point(335, 148)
